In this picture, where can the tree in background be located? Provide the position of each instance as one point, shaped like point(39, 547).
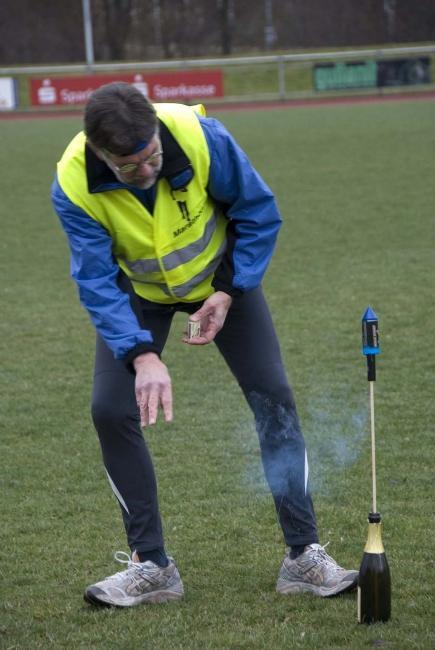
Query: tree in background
point(49, 31)
point(390, 7)
point(40, 31)
point(114, 18)
point(226, 15)
point(269, 28)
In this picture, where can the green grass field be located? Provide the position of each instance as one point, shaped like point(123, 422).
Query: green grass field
point(355, 186)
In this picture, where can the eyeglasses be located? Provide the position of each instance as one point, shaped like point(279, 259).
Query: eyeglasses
point(129, 168)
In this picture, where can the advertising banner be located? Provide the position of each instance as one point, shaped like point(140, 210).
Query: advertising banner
point(337, 76)
point(372, 74)
point(404, 72)
point(160, 87)
point(8, 94)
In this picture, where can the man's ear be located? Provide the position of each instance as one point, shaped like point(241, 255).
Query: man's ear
point(94, 149)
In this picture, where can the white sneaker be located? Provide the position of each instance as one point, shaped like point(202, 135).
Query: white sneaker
point(314, 571)
point(141, 582)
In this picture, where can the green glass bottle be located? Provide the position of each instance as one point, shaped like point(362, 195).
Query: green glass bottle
point(374, 583)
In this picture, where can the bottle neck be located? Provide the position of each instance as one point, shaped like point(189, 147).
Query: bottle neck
point(374, 540)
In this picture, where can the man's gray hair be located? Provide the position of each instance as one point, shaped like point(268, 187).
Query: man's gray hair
point(118, 118)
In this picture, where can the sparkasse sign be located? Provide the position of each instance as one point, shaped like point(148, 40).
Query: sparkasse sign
point(162, 87)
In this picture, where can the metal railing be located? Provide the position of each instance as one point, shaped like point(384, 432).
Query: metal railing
point(279, 60)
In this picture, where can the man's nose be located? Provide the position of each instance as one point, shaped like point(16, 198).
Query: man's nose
point(146, 168)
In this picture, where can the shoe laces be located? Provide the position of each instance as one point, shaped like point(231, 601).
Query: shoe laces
point(133, 569)
point(125, 558)
point(320, 556)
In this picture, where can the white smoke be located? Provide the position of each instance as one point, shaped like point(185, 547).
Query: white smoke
point(334, 431)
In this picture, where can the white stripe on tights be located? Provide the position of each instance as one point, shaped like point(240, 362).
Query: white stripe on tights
point(306, 471)
point(117, 493)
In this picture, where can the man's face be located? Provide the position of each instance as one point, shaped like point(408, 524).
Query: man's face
point(140, 169)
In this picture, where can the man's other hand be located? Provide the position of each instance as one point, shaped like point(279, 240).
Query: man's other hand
point(153, 388)
point(212, 316)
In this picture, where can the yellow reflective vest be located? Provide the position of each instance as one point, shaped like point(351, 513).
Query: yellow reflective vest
point(170, 255)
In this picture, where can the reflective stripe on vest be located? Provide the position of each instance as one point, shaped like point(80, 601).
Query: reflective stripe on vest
point(183, 290)
point(180, 256)
point(172, 254)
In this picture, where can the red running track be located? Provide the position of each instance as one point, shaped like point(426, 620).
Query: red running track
point(249, 106)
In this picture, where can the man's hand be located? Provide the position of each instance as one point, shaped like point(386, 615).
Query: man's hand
point(153, 388)
point(212, 316)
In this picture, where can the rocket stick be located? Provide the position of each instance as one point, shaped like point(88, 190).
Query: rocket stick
point(372, 427)
point(370, 349)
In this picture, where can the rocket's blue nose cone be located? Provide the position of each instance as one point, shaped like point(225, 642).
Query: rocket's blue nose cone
point(369, 314)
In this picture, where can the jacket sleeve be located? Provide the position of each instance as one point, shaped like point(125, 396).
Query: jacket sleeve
point(249, 204)
point(96, 274)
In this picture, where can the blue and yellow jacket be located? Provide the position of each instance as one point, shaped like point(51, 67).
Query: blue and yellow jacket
point(235, 188)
